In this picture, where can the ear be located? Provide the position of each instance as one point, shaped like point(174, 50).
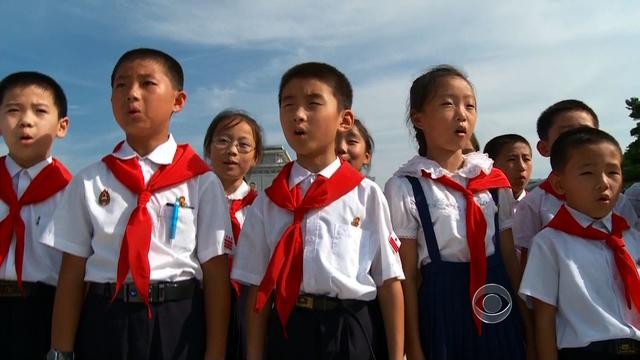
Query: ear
point(367, 158)
point(556, 183)
point(543, 148)
point(346, 120)
point(416, 119)
point(63, 125)
point(179, 101)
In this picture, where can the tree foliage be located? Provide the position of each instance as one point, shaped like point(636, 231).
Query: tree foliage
point(631, 158)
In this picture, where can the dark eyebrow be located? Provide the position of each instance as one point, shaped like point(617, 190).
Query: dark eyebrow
point(287, 98)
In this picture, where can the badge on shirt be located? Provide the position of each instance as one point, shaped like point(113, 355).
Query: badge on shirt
point(104, 198)
point(395, 244)
point(356, 221)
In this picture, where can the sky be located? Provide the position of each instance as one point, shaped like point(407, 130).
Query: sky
point(520, 56)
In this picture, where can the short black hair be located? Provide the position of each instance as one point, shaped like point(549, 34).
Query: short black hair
point(326, 73)
point(574, 139)
point(494, 147)
point(172, 66)
point(550, 114)
point(423, 89)
point(31, 78)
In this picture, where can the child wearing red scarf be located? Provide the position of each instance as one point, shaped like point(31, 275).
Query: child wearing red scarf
point(582, 271)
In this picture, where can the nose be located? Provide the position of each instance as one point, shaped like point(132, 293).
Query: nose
point(603, 182)
point(26, 119)
point(133, 92)
point(299, 115)
point(461, 113)
point(521, 165)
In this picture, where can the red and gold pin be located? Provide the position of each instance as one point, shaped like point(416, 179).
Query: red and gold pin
point(104, 198)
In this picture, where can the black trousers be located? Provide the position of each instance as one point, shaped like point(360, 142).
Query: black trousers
point(25, 324)
point(344, 334)
point(123, 331)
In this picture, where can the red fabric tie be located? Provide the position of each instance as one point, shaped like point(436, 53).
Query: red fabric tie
point(476, 225)
point(284, 271)
point(134, 251)
point(234, 207)
point(52, 179)
point(566, 223)
point(546, 186)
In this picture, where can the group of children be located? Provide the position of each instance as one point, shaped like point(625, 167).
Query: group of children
point(154, 253)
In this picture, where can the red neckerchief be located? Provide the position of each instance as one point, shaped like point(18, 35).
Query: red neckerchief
point(234, 207)
point(476, 224)
point(50, 180)
point(546, 186)
point(285, 267)
point(566, 223)
point(134, 251)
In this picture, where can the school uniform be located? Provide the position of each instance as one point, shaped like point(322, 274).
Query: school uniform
point(426, 208)
point(183, 202)
point(28, 268)
point(343, 249)
point(580, 277)
point(239, 202)
point(632, 194)
point(541, 204)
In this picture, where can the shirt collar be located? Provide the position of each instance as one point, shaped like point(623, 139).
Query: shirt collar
point(585, 220)
point(14, 168)
point(240, 192)
point(298, 173)
point(474, 163)
point(161, 155)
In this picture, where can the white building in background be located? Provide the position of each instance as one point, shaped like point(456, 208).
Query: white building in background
point(273, 159)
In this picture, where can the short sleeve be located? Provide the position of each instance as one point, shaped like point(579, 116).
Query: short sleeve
point(253, 252)
point(402, 207)
point(541, 275)
point(386, 261)
point(526, 221)
point(213, 223)
point(505, 210)
point(73, 228)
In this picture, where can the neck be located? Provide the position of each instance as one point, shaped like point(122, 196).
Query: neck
point(26, 163)
point(517, 193)
point(231, 185)
point(316, 163)
point(144, 146)
point(450, 160)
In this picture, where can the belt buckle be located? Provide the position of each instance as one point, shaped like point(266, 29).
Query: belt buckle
point(161, 292)
point(305, 302)
point(626, 347)
point(131, 294)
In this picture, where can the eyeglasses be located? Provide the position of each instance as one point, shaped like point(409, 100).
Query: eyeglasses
point(223, 143)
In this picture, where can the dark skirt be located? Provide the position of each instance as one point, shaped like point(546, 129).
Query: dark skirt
point(447, 327)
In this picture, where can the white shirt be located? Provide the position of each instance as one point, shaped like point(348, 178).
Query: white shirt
point(538, 208)
point(446, 206)
point(579, 277)
point(239, 194)
point(40, 263)
point(633, 197)
point(94, 231)
point(347, 251)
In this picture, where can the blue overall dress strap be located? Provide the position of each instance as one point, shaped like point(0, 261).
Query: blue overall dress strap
point(445, 313)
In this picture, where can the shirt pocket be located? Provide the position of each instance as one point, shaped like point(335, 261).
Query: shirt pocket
point(185, 226)
point(348, 247)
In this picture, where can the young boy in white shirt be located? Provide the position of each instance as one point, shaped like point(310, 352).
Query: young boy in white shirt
point(582, 268)
point(319, 243)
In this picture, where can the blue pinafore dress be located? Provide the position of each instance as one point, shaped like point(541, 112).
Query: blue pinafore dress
point(446, 317)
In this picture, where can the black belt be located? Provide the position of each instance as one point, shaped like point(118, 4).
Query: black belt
point(614, 347)
point(158, 292)
point(326, 303)
point(10, 289)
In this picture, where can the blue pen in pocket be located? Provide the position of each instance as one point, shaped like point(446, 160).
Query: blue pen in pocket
point(174, 220)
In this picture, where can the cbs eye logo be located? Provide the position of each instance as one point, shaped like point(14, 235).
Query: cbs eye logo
point(492, 303)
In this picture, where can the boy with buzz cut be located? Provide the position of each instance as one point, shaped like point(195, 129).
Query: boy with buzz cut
point(33, 112)
point(582, 271)
point(541, 204)
point(319, 244)
point(144, 230)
